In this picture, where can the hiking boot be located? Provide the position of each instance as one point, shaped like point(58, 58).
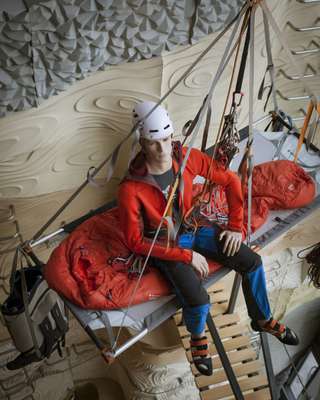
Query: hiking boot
point(200, 355)
point(280, 331)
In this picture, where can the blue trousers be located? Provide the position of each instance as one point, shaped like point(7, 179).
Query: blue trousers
point(187, 285)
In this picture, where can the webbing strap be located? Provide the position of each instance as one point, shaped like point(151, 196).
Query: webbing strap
point(243, 61)
point(270, 67)
point(223, 63)
point(250, 137)
point(110, 170)
point(219, 135)
point(206, 129)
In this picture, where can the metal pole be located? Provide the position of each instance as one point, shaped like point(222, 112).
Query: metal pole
point(45, 238)
point(234, 293)
point(224, 359)
point(128, 343)
point(269, 367)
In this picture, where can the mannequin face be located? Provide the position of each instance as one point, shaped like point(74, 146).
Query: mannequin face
point(157, 151)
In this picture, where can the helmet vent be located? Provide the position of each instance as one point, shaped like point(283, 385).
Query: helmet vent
point(166, 127)
point(153, 130)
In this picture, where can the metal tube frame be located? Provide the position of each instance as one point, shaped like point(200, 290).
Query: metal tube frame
point(130, 342)
point(43, 239)
point(269, 366)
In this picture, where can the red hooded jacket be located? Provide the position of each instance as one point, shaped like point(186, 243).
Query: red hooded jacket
point(142, 203)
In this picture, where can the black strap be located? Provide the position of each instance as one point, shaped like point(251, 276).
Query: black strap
point(195, 120)
point(206, 130)
point(48, 335)
point(27, 311)
point(53, 336)
point(61, 323)
point(243, 61)
point(263, 87)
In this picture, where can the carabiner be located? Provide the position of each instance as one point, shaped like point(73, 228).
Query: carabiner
point(237, 98)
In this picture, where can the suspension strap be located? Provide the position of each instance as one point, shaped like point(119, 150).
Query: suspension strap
point(270, 67)
point(220, 130)
point(207, 187)
point(188, 217)
point(250, 138)
point(243, 60)
point(206, 129)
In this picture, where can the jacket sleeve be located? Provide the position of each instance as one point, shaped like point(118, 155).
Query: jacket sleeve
point(200, 163)
point(131, 224)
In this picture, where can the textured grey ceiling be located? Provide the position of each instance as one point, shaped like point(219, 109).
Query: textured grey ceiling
point(53, 43)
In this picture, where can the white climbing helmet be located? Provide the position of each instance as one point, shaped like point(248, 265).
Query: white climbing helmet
point(157, 126)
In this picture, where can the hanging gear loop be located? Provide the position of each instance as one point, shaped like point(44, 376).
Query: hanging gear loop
point(250, 138)
point(228, 135)
point(190, 218)
point(270, 67)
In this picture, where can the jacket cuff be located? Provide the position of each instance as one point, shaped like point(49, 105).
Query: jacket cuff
point(234, 228)
point(187, 256)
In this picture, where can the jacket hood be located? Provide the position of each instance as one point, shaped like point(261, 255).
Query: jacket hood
point(138, 169)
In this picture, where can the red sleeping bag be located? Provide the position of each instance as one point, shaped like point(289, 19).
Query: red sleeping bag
point(276, 185)
point(83, 267)
point(80, 269)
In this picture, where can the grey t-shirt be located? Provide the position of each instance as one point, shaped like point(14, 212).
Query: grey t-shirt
point(165, 181)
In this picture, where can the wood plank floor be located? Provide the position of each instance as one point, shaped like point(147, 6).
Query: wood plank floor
point(249, 371)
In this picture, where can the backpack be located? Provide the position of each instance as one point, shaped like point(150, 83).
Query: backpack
point(35, 317)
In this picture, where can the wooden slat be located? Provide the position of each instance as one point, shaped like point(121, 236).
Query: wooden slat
point(217, 287)
point(230, 344)
point(234, 357)
point(220, 321)
point(219, 297)
point(263, 394)
point(220, 376)
point(220, 392)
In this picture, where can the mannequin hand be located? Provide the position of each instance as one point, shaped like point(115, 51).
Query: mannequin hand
point(200, 264)
point(232, 242)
